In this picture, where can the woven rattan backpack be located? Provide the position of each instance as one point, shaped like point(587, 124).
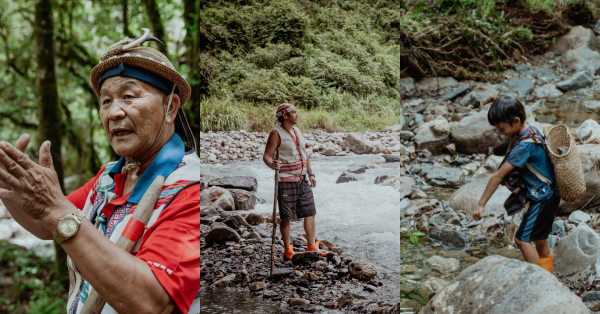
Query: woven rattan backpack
point(567, 163)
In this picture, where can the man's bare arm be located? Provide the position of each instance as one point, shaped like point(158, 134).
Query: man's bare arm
point(272, 143)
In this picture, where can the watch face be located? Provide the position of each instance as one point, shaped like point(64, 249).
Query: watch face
point(68, 227)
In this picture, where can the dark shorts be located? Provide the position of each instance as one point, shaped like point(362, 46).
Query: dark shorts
point(295, 200)
point(537, 221)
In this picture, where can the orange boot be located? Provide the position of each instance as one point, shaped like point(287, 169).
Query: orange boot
point(546, 262)
point(289, 252)
point(314, 248)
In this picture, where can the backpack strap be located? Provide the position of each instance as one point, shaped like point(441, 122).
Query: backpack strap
point(533, 170)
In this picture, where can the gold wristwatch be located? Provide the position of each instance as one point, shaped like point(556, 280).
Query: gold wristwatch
point(68, 226)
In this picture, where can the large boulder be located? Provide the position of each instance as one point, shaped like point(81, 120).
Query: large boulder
point(589, 129)
point(521, 86)
point(466, 198)
point(244, 200)
point(498, 285)
point(547, 90)
point(474, 134)
point(406, 186)
point(577, 37)
point(255, 219)
point(575, 255)
point(357, 143)
point(442, 264)
point(590, 156)
point(238, 182)
point(217, 197)
point(430, 285)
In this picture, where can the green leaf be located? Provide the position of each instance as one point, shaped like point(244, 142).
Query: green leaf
point(414, 240)
point(419, 234)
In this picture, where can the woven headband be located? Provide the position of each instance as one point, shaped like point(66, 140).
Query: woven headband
point(159, 82)
point(285, 108)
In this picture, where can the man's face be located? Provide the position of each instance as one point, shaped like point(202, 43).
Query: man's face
point(132, 113)
point(506, 129)
point(291, 116)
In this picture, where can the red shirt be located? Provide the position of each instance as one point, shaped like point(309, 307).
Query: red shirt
point(172, 241)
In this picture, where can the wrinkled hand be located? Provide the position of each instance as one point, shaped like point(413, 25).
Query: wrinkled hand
point(33, 188)
point(477, 214)
point(313, 181)
point(21, 145)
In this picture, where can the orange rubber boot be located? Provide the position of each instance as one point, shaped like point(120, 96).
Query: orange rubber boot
point(314, 248)
point(548, 261)
point(289, 252)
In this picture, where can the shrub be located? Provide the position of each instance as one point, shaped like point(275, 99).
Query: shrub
point(220, 114)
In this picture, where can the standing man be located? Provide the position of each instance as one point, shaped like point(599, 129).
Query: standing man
point(140, 95)
point(295, 195)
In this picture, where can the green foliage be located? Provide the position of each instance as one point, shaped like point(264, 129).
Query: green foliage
point(220, 115)
point(322, 56)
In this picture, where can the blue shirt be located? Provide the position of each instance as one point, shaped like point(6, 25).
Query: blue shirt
point(535, 155)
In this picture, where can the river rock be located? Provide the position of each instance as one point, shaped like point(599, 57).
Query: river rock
point(225, 281)
point(329, 151)
point(255, 219)
point(546, 90)
point(357, 143)
point(244, 200)
point(451, 95)
point(583, 59)
point(445, 177)
point(235, 221)
point(257, 286)
point(578, 217)
point(497, 285)
point(535, 71)
point(521, 86)
point(208, 211)
point(407, 85)
point(430, 285)
point(302, 257)
point(466, 198)
point(590, 156)
point(474, 134)
point(588, 129)
point(577, 37)
point(345, 177)
point(298, 302)
point(362, 270)
point(330, 246)
point(348, 298)
point(490, 228)
point(238, 182)
point(442, 264)
point(406, 186)
point(478, 94)
point(578, 80)
point(391, 158)
point(221, 235)
point(433, 136)
point(575, 255)
point(451, 238)
point(217, 197)
point(492, 163)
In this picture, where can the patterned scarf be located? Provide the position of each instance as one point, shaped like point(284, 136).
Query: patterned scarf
point(514, 181)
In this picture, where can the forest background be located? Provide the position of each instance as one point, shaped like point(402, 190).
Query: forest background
point(337, 61)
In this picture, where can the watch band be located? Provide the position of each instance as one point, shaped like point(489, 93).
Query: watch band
point(312, 175)
point(78, 216)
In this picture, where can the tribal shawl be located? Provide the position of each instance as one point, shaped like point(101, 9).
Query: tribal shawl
point(514, 181)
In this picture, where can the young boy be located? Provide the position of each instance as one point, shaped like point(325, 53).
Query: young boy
point(528, 173)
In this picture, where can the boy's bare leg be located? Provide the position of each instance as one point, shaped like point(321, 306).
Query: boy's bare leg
point(529, 252)
point(284, 227)
point(309, 228)
point(542, 247)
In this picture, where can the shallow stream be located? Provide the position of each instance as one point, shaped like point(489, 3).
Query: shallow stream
point(360, 216)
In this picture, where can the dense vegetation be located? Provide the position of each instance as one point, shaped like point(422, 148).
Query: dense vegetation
point(338, 61)
point(471, 39)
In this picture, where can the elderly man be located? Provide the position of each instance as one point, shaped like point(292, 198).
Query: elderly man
point(140, 99)
point(295, 195)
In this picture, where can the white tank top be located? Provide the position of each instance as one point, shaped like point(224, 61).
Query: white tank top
point(292, 155)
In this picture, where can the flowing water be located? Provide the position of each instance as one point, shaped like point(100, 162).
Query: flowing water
point(361, 216)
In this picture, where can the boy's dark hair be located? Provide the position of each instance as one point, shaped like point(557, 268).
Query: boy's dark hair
point(506, 109)
point(280, 119)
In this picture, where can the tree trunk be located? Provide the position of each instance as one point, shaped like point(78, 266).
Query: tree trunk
point(191, 40)
point(49, 111)
point(158, 30)
point(126, 31)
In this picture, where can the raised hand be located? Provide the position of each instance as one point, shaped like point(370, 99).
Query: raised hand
point(21, 145)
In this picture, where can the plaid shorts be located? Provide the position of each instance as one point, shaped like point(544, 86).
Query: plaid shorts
point(295, 200)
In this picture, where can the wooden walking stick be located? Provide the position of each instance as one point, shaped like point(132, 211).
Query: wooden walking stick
point(131, 234)
point(274, 216)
